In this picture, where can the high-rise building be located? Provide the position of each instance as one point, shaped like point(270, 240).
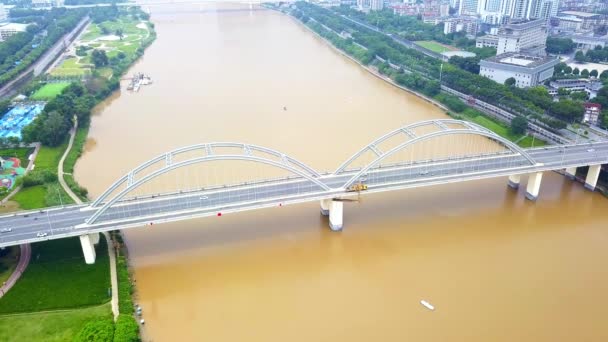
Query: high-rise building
point(527, 36)
point(542, 9)
point(363, 4)
point(3, 14)
point(376, 5)
point(468, 7)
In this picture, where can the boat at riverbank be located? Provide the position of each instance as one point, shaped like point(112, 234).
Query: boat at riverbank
point(138, 80)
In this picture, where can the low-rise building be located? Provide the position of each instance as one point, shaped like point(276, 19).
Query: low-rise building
point(47, 3)
point(568, 24)
point(528, 71)
point(585, 43)
point(590, 86)
point(592, 113)
point(487, 41)
point(588, 20)
point(9, 29)
point(468, 25)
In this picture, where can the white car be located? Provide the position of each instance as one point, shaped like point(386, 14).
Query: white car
point(41, 234)
point(591, 150)
point(6, 230)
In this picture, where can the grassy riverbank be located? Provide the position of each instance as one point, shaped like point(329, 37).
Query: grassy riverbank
point(410, 76)
point(52, 326)
point(58, 278)
point(57, 294)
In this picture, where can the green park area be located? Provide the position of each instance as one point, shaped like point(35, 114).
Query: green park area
point(119, 38)
point(435, 46)
point(49, 91)
point(58, 291)
point(499, 128)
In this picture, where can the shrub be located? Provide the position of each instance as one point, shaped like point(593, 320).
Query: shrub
point(96, 331)
point(39, 177)
point(124, 287)
point(127, 329)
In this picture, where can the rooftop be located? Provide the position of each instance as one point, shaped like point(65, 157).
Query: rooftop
point(13, 26)
point(580, 14)
point(518, 59)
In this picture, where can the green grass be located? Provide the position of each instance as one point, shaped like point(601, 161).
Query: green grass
point(435, 47)
point(49, 91)
point(48, 157)
point(499, 128)
point(31, 198)
point(21, 152)
point(58, 278)
point(50, 326)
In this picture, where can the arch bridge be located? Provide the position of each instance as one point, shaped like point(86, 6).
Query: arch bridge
point(214, 179)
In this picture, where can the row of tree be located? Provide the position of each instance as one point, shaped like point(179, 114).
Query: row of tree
point(528, 102)
point(596, 55)
point(56, 23)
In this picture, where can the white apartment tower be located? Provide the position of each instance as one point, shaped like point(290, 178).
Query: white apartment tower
point(469, 7)
point(528, 36)
point(376, 5)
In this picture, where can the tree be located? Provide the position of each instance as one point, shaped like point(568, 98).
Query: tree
point(585, 73)
point(579, 56)
point(119, 33)
point(510, 81)
point(593, 73)
point(99, 58)
point(576, 71)
point(567, 70)
point(560, 45)
point(604, 75)
point(54, 129)
point(563, 91)
point(568, 110)
point(519, 125)
point(579, 96)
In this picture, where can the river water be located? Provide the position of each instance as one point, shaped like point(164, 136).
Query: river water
point(496, 267)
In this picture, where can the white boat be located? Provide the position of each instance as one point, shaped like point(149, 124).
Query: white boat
point(427, 305)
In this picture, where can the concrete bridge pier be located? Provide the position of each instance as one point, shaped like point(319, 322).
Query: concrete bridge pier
point(533, 185)
point(592, 176)
point(571, 172)
point(88, 242)
point(335, 211)
point(336, 215)
point(325, 207)
point(514, 181)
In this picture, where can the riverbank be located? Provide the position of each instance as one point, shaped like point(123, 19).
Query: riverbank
point(470, 114)
point(77, 323)
point(367, 68)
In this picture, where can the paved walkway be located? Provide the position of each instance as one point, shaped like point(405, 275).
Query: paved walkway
point(65, 186)
point(24, 260)
point(111, 253)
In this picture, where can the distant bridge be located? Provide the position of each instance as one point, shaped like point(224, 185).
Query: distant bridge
point(196, 180)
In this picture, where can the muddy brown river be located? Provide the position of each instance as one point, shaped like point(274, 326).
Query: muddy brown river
point(495, 266)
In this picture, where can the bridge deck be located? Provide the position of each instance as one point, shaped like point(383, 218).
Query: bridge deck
point(70, 221)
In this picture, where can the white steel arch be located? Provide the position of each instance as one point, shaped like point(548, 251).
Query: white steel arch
point(169, 168)
point(289, 163)
point(468, 128)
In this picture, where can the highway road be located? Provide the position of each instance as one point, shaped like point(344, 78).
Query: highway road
point(70, 220)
